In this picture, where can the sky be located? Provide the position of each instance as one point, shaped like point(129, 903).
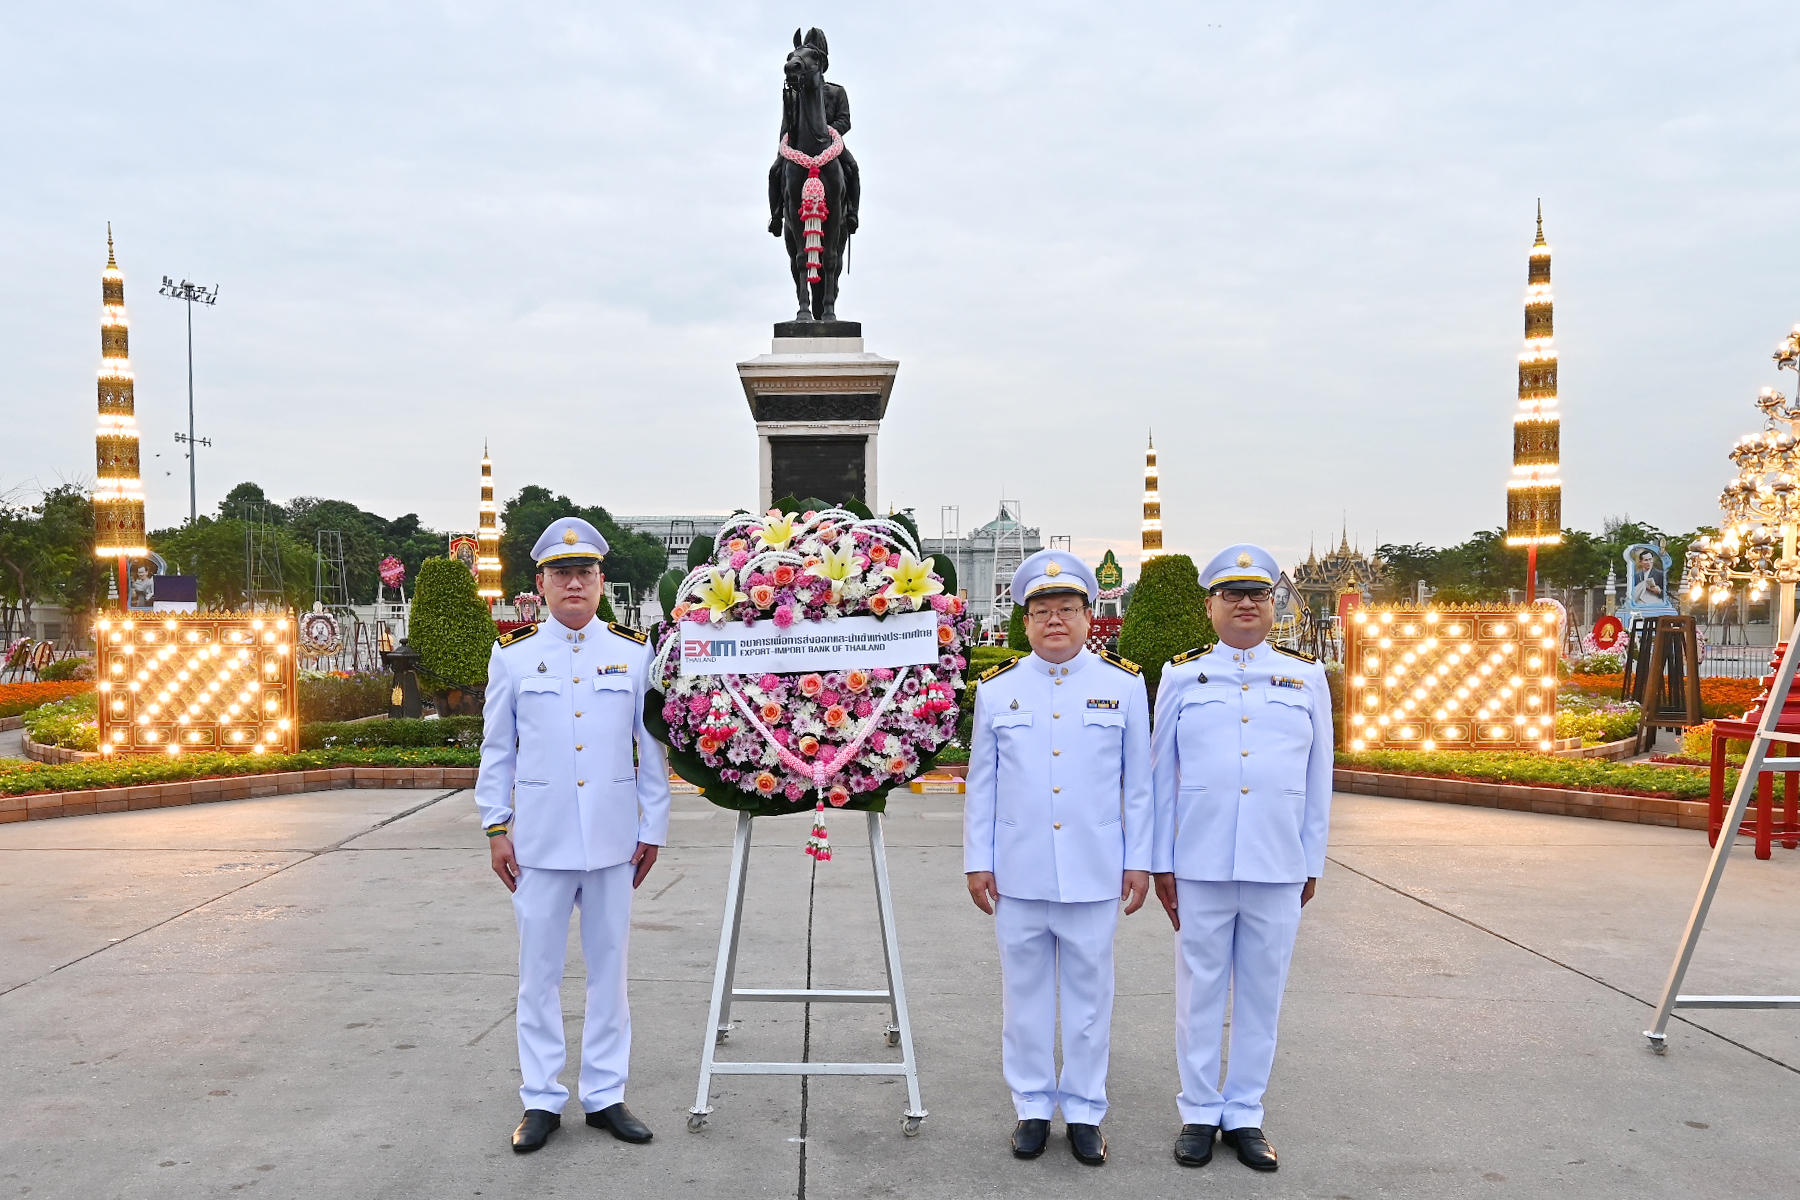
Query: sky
point(1290, 238)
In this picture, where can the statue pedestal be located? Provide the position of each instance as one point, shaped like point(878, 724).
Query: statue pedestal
point(817, 402)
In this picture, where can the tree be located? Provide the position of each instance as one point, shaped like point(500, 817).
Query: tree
point(450, 626)
point(1168, 615)
point(1015, 630)
point(215, 551)
point(47, 552)
point(247, 502)
point(634, 558)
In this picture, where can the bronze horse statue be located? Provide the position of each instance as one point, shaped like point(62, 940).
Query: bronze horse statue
point(814, 116)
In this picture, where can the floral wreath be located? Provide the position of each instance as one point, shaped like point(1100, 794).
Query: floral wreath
point(773, 743)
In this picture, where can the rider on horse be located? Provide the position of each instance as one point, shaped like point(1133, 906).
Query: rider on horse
point(837, 115)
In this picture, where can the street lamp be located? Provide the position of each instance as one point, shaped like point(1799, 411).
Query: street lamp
point(1761, 507)
point(190, 293)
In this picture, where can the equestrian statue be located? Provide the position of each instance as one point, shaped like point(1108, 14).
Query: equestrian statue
point(815, 187)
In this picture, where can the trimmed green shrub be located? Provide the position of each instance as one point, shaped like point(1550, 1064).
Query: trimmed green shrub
point(1015, 631)
point(606, 612)
point(450, 626)
point(332, 696)
point(1167, 615)
point(446, 731)
point(65, 669)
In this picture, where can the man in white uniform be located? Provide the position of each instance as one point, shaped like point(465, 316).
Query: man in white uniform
point(571, 821)
point(1242, 755)
point(1056, 830)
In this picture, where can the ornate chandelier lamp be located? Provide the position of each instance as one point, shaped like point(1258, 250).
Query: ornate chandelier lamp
point(1760, 508)
point(118, 493)
point(1534, 494)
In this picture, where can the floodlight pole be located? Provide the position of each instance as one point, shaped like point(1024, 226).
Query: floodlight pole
point(189, 293)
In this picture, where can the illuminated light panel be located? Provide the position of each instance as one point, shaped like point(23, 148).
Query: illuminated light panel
point(206, 681)
point(1461, 679)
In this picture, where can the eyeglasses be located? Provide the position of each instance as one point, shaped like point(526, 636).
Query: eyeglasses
point(1065, 613)
point(1255, 595)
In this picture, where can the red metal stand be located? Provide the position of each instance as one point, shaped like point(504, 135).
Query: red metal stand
point(1765, 828)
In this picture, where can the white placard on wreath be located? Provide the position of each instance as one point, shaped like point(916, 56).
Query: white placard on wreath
point(848, 643)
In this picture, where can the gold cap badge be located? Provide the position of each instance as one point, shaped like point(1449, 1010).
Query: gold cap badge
point(569, 537)
point(1053, 569)
point(1243, 558)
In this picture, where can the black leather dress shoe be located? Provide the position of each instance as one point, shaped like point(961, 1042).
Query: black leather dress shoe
point(617, 1120)
point(1253, 1149)
point(535, 1130)
point(1030, 1137)
point(1194, 1145)
point(1087, 1143)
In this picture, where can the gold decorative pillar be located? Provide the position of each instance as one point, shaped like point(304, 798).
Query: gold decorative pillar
point(118, 490)
point(1153, 542)
point(487, 558)
point(1534, 494)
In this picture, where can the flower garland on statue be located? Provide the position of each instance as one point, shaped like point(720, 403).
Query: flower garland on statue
point(768, 742)
point(812, 197)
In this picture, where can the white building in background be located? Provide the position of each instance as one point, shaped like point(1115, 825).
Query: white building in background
point(986, 558)
point(676, 533)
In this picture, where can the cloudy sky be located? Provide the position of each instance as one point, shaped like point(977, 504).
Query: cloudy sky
point(1290, 237)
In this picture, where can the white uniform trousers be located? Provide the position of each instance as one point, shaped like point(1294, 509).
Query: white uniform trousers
point(1241, 934)
point(543, 903)
point(1045, 948)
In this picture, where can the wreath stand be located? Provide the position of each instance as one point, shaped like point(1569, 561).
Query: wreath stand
point(1755, 763)
point(724, 992)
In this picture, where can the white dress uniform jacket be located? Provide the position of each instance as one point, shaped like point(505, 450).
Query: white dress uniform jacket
point(1242, 757)
point(564, 710)
point(1057, 802)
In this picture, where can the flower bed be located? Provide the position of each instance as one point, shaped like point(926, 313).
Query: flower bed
point(71, 724)
point(16, 698)
point(776, 743)
point(1718, 697)
point(1594, 720)
point(1540, 770)
point(19, 778)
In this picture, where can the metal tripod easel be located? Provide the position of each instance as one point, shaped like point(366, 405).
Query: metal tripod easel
point(1764, 737)
point(724, 991)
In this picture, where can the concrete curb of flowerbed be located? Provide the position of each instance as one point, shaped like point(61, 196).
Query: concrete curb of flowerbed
point(55, 756)
point(1564, 802)
point(8, 724)
point(42, 805)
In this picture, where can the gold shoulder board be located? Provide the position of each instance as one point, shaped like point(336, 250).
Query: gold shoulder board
point(1124, 664)
point(1004, 667)
point(517, 635)
point(626, 631)
point(1302, 656)
point(1188, 655)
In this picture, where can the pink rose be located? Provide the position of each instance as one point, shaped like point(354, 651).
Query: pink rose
point(762, 595)
point(811, 685)
point(784, 574)
point(839, 796)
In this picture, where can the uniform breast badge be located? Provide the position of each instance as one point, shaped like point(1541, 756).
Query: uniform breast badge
point(1107, 705)
point(541, 668)
point(1287, 681)
point(614, 669)
point(1015, 704)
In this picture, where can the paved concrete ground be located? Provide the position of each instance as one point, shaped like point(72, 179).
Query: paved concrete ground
point(312, 995)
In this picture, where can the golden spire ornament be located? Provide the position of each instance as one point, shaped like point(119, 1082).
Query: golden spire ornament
point(487, 560)
point(1153, 543)
point(1534, 494)
point(118, 490)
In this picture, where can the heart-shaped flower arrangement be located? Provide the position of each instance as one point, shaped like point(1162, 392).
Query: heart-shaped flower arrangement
point(777, 742)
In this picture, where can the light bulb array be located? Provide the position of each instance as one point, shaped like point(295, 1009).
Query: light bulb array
point(185, 683)
point(1451, 679)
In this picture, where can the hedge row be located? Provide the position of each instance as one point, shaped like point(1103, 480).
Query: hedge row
point(446, 731)
point(1585, 774)
point(20, 778)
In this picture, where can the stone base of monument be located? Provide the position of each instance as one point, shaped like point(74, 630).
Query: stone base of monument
point(818, 399)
